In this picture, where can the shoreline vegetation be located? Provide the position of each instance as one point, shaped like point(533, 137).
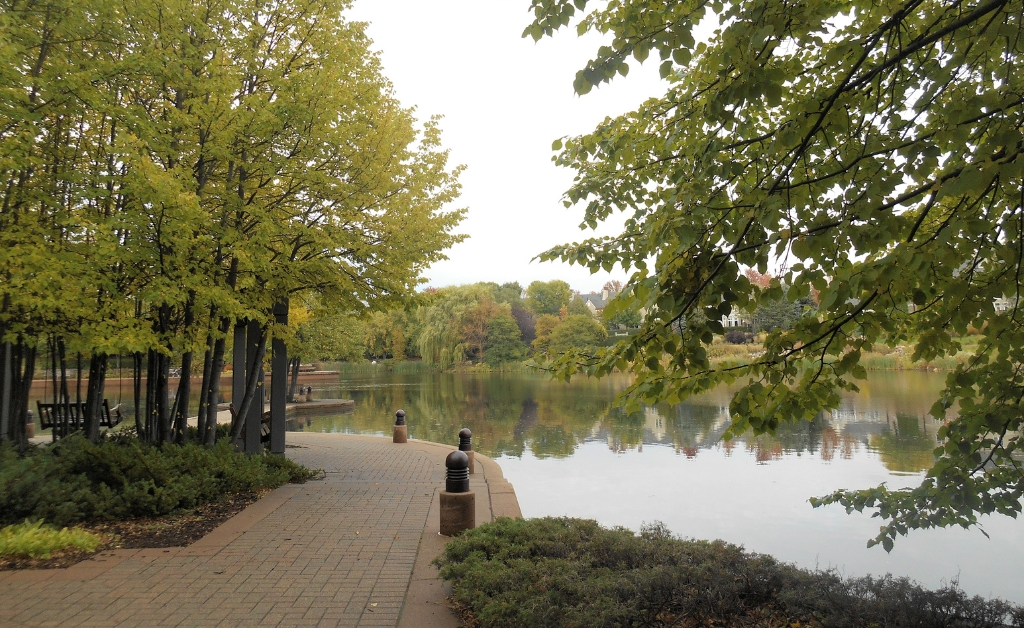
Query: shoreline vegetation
point(563, 572)
point(880, 359)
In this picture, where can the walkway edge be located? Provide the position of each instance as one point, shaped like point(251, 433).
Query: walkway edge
point(426, 600)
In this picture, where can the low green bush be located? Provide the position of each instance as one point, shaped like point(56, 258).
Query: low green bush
point(38, 540)
point(75, 480)
point(573, 573)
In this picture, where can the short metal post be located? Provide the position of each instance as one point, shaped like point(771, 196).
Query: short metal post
point(458, 503)
point(401, 432)
point(30, 424)
point(466, 446)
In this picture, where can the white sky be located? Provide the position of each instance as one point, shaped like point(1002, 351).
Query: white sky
point(504, 100)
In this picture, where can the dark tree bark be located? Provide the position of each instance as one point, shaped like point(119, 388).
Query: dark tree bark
point(151, 409)
point(140, 426)
point(52, 342)
point(65, 396)
point(252, 376)
point(6, 380)
point(23, 363)
point(163, 416)
point(78, 382)
point(295, 363)
point(204, 389)
point(94, 396)
point(182, 398)
point(218, 367)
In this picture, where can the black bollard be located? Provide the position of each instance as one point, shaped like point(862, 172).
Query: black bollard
point(456, 480)
point(466, 445)
point(400, 434)
point(458, 503)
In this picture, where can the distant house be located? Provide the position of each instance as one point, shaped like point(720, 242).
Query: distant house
point(1002, 304)
point(596, 301)
point(736, 319)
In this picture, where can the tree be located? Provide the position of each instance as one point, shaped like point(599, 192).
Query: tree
point(546, 323)
point(173, 170)
point(548, 297)
point(625, 318)
point(577, 306)
point(576, 331)
point(527, 322)
point(511, 293)
point(872, 150)
point(614, 286)
point(504, 342)
point(386, 334)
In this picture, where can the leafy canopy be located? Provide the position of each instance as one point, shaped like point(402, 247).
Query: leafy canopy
point(872, 151)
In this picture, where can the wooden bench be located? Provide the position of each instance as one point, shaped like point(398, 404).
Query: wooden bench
point(53, 414)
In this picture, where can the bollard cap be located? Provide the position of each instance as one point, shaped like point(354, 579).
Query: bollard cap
point(400, 417)
point(457, 460)
point(465, 439)
point(465, 433)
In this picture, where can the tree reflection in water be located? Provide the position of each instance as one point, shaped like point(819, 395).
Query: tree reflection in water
point(512, 412)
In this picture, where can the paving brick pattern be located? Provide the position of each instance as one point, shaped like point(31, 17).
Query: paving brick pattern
point(334, 552)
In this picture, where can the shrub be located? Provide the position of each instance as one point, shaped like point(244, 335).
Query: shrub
point(737, 337)
point(75, 480)
point(574, 573)
point(37, 540)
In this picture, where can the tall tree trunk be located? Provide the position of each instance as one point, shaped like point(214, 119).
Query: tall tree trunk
point(182, 398)
point(140, 426)
point(218, 367)
point(204, 389)
point(163, 397)
point(151, 394)
point(78, 381)
point(6, 398)
point(23, 363)
point(54, 432)
point(94, 396)
point(252, 376)
point(296, 362)
point(65, 396)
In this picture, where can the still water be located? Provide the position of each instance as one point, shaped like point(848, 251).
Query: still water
point(568, 451)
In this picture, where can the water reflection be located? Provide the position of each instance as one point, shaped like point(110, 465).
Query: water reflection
point(510, 413)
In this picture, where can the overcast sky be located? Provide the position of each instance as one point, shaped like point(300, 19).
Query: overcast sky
point(504, 100)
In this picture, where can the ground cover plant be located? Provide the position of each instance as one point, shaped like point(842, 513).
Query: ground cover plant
point(76, 480)
point(574, 573)
point(38, 540)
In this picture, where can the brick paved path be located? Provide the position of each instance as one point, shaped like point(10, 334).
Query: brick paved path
point(350, 550)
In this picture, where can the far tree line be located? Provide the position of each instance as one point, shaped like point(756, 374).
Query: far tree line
point(483, 322)
point(495, 324)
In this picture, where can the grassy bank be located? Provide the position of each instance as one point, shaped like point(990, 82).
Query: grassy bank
point(119, 478)
point(574, 573)
point(418, 366)
point(880, 358)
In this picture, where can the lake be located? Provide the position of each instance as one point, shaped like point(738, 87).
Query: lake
point(568, 451)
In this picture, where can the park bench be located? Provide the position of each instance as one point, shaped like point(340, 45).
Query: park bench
point(53, 414)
